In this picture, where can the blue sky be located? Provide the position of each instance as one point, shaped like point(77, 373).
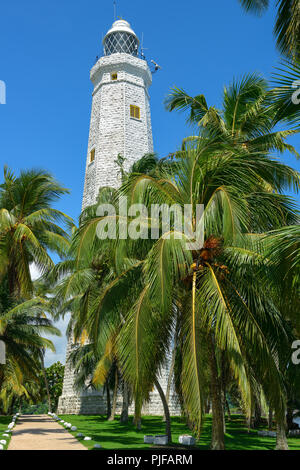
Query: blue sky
point(48, 48)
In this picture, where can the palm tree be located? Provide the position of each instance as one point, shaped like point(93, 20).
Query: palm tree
point(29, 227)
point(287, 26)
point(283, 258)
point(246, 119)
point(220, 288)
point(286, 93)
point(21, 328)
point(80, 279)
point(76, 282)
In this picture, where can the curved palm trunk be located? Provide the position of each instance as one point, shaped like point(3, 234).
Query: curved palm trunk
point(166, 410)
point(217, 438)
point(114, 404)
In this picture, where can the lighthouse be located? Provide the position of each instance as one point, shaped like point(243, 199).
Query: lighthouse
point(120, 118)
point(120, 125)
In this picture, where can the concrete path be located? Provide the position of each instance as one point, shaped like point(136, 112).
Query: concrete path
point(41, 432)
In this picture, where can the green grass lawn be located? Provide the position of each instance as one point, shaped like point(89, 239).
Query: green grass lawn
point(113, 435)
point(4, 422)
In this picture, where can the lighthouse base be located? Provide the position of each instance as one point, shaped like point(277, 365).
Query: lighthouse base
point(96, 405)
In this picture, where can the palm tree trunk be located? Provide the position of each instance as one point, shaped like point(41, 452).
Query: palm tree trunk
point(270, 419)
point(114, 405)
point(281, 440)
point(108, 404)
point(12, 404)
point(207, 406)
point(223, 389)
point(223, 400)
point(228, 409)
point(125, 404)
point(171, 371)
point(248, 422)
point(46, 381)
point(137, 420)
point(249, 415)
point(257, 413)
point(166, 410)
point(217, 438)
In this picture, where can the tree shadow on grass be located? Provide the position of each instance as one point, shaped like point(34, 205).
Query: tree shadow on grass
point(114, 435)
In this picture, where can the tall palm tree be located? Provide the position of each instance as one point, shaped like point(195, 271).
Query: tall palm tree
point(249, 114)
point(287, 26)
point(246, 118)
point(29, 227)
point(22, 326)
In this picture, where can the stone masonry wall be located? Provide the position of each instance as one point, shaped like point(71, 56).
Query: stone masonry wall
point(112, 130)
point(89, 402)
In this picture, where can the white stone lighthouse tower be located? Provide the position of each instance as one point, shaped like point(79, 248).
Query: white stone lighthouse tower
point(120, 125)
point(120, 119)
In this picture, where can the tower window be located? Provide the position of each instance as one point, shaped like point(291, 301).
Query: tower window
point(92, 155)
point(114, 76)
point(135, 112)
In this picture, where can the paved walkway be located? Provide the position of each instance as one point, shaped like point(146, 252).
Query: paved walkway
point(41, 432)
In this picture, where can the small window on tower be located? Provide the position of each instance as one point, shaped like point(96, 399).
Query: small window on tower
point(135, 112)
point(92, 155)
point(114, 76)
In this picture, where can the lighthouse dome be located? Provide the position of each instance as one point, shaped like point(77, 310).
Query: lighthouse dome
point(121, 39)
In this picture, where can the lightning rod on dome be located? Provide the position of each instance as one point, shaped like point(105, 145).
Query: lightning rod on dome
point(115, 10)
